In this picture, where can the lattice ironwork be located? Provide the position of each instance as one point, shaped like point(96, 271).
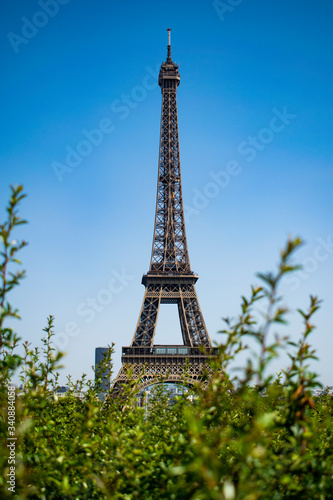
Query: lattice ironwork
point(148, 375)
point(169, 279)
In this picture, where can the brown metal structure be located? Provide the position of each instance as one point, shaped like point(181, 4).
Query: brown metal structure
point(169, 279)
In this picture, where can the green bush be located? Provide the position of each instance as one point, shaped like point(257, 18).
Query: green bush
point(247, 436)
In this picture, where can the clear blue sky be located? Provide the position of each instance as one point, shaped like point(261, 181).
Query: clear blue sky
point(255, 99)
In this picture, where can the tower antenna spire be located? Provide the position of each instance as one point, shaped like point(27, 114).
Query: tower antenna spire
point(169, 44)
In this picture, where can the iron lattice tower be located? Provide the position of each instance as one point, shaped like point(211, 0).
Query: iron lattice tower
point(169, 279)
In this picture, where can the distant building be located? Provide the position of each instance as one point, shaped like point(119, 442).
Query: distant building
point(171, 390)
point(63, 390)
point(100, 353)
point(320, 392)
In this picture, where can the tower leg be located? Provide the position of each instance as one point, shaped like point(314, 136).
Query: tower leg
point(146, 326)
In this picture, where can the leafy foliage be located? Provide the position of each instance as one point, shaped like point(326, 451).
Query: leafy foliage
point(245, 436)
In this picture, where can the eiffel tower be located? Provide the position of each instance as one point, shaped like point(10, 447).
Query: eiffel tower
point(169, 279)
